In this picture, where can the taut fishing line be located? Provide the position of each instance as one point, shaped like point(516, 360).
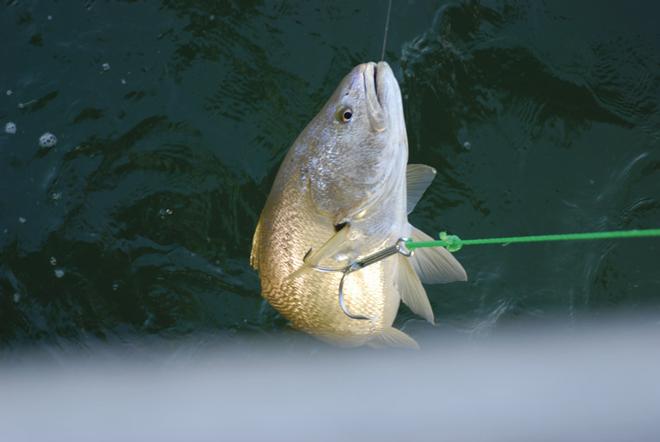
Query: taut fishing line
point(453, 243)
point(387, 27)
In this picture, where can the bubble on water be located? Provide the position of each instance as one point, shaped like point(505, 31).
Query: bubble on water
point(53, 261)
point(56, 196)
point(467, 145)
point(59, 273)
point(212, 17)
point(106, 66)
point(9, 92)
point(115, 286)
point(10, 128)
point(17, 298)
point(165, 212)
point(47, 140)
point(123, 81)
point(50, 17)
point(22, 220)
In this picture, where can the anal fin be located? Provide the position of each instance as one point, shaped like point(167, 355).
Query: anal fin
point(392, 337)
point(435, 264)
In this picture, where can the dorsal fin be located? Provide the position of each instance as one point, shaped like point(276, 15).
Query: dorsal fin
point(418, 179)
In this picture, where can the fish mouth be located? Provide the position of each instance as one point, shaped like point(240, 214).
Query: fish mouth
point(376, 85)
point(374, 88)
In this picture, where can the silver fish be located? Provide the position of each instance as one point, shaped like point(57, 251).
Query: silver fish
point(343, 192)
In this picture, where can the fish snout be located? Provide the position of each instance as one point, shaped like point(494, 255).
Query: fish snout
point(372, 80)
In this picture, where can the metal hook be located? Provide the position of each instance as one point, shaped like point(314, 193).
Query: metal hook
point(398, 247)
point(343, 306)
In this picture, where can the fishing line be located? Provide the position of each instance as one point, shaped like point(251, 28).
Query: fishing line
point(387, 27)
point(453, 243)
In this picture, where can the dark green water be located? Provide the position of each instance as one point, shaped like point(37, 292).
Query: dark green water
point(541, 117)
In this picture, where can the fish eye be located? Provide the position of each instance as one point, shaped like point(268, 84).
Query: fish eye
point(345, 115)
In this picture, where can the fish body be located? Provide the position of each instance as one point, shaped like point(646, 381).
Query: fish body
point(342, 193)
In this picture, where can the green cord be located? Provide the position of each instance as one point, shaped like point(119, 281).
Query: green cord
point(453, 243)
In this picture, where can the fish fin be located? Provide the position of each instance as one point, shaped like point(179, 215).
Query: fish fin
point(392, 337)
point(435, 264)
point(337, 244)
point(418, 179)
point(412, 291)
point(254, 253)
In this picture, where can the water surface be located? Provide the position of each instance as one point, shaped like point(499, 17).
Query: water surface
point(172, 118)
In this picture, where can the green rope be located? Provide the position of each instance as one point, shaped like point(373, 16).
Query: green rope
point(453, 243)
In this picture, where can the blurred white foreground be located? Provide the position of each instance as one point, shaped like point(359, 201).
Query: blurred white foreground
point(598, 384)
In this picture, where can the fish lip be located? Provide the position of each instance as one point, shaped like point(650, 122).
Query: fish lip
point(383, 76)
point(370, 78)
point(374, 96)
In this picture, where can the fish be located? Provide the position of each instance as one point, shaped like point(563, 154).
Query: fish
point(344, 191)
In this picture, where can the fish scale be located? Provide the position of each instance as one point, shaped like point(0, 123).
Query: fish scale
point(301, 298)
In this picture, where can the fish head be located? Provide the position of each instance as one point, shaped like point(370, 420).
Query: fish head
point(359, 144)
point(365, 101)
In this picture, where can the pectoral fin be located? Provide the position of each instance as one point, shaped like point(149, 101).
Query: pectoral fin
point(418, 179)
point(391, 337)
point(337, 251)
point(435, 265)
point(411, 290)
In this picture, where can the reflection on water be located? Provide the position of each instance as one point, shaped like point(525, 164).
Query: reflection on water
point(171, 120)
